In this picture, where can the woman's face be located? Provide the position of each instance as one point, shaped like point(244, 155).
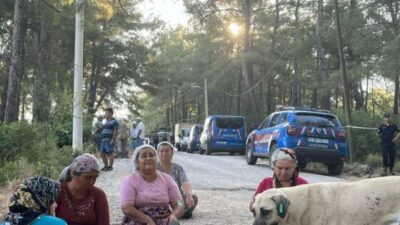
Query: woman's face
point(165, 153)
point(86, 180)
point(284, 169)
point(147, 160)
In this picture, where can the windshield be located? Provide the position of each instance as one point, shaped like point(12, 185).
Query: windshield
point(229, 123)
point(316, 120)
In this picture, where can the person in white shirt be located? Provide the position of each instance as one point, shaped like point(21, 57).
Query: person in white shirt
point(137, 135)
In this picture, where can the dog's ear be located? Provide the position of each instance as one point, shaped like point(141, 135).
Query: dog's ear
point(282, 205)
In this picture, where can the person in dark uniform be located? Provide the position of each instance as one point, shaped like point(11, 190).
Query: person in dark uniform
point(388, 133)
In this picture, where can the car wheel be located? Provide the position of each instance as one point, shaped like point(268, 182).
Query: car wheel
point(250, 158)
point(178, 147)
point(271, 151)
point(190, 149)
point(335, 169)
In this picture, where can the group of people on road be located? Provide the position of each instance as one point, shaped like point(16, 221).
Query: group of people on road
point(111, 138)
point(147, 195)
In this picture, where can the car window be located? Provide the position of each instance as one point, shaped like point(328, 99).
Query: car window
point(316, 120)
point(229, 123)
point(283, 118)
point(274, 120)
point(264, 124)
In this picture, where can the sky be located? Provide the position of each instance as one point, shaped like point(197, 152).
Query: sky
point(170, 11)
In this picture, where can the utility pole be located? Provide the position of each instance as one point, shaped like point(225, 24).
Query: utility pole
point(77, 131)
point(205, 99)
point(349, 133)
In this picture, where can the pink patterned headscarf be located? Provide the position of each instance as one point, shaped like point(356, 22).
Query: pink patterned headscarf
point(83, 163)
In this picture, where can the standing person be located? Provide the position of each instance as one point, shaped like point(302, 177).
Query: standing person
point(34, 203)
point(285, 173)
point(108, 140)
point(134, 137)
point(80, 202)
point(389, 133)
point(140, 127)
point(165, 153)
point(148, 195)
point(96, 132)
point(122, 139)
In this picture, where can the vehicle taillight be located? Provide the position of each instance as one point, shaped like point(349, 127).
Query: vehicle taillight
point(291, 130)
point(341, 135)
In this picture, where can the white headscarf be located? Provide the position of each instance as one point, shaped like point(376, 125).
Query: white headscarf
point(283, 154)
point(135, 158)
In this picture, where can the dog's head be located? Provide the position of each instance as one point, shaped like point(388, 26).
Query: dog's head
point(270, 207)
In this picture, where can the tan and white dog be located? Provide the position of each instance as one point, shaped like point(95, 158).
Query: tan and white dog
point(368, 202)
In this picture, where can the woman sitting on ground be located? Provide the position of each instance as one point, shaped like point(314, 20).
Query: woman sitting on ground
point(34, 203)
point(80, 202)
point(286, 173)
point(147, 194)
point(165, 154)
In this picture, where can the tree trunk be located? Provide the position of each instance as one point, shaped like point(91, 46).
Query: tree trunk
point(41, 91)
point(394, 10)
point(4, 92)
point(16, 68)
point(322, 63)
point(296, 83)
point(93, 82)
point(239, 90)
point(358, 95)
point(246, 65)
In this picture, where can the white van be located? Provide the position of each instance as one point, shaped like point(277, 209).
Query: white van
point(182, 131)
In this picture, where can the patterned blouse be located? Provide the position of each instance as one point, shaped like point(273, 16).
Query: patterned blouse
point(91, 210)
point(177, 173)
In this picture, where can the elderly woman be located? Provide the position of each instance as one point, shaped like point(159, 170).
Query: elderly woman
point(33, 202)
point(284, 164)
point(80, 202)
point(165, 153)
point(147, 194)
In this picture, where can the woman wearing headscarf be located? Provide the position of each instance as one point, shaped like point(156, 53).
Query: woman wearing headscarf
point(285, 173)
point(165, 154)
point(148, 194)
point(80, 202)
point(34, 203)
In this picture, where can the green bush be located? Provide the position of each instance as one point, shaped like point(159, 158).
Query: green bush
point(33, 149)
point(374, 160)
point(366, 141)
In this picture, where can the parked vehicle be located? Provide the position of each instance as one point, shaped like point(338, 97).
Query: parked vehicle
point(315, 136)
point(194, 138)
point(223, 134)
point(182, 131)
point(159, 136)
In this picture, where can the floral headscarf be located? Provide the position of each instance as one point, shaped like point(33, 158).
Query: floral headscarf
point(32, 198)
point(83, 163)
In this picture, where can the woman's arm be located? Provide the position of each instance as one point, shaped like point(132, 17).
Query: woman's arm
point(131, 212)
point(177, 209)
point(187, 188)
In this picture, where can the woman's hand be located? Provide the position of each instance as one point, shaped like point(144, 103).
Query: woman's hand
point(149, 221)
point(171, 218)
point(189, 200)
point(53, 208)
